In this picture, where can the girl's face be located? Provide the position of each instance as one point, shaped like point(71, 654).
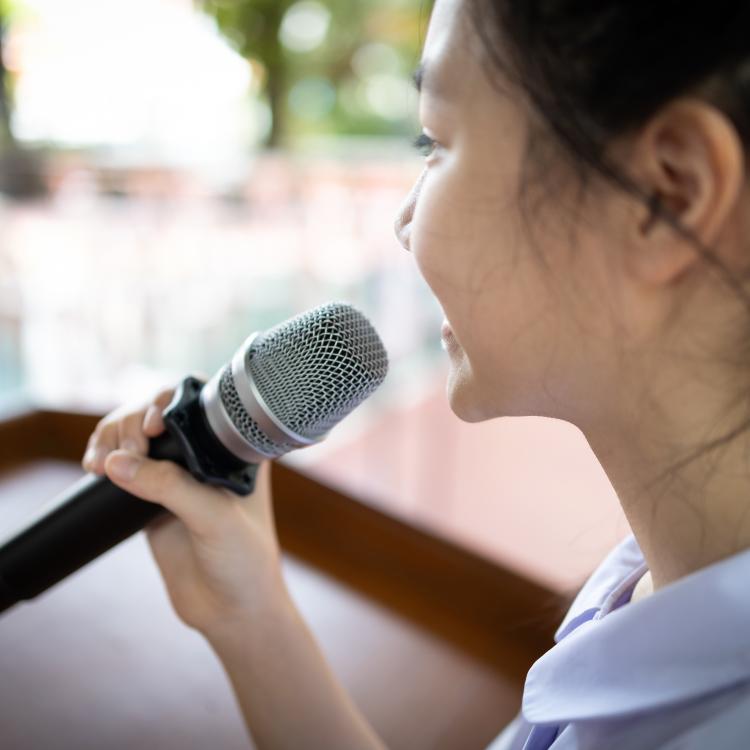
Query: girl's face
point(514, 328)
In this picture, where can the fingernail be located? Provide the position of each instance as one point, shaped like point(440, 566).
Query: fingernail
point(88, 456)
point(124, 466)
point(130, 445)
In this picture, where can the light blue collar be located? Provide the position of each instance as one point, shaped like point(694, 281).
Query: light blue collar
point(685, 640)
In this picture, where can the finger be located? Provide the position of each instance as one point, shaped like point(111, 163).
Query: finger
point(88, 453)
point(153, 422)
point(130, 435)
point(103, 441)
point(200, 507)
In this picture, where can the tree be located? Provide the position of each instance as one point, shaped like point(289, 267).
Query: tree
point(7, 141)
point(253, 26)
point(21, 171)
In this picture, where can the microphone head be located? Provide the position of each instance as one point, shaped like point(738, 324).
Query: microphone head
point(288, 386)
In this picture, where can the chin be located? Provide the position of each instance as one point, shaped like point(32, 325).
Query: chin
point(463, 397)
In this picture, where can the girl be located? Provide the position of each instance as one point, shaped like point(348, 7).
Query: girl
point(583, 220)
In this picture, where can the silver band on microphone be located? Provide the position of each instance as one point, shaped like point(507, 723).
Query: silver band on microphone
point(222, 425)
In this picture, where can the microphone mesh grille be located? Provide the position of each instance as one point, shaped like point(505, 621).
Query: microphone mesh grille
point(311, 371)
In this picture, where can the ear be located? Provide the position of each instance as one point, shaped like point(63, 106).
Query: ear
point(690, 159)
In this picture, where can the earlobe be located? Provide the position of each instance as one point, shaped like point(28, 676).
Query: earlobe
point(691, 161)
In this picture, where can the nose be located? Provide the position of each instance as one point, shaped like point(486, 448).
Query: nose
point(402, 225)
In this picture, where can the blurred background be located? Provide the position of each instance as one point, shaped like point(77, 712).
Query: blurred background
point(175, 174)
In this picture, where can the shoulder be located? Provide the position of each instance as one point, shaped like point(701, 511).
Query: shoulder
point(719, 722)
point(726, 728)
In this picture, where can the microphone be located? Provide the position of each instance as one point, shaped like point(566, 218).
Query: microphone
point(285, 388)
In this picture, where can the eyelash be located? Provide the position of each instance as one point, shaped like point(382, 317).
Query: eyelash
point(424, 144)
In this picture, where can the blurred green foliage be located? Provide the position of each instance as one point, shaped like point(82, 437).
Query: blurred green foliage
point(329, 66)
point(11, 11)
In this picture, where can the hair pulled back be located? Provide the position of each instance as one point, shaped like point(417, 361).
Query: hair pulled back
point(593, 70)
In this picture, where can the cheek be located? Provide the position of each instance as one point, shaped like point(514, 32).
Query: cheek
point(442, 234)
point(472, 247)
point(464, 239)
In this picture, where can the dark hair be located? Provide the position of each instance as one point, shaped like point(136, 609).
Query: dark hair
point(593, 70)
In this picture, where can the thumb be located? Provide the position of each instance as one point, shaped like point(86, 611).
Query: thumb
point(196, 504)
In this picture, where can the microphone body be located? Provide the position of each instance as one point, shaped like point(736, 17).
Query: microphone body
point(94, 514)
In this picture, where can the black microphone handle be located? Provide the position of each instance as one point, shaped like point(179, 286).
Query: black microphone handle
point(86, 520)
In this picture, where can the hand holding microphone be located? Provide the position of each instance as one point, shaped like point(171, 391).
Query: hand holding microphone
point(217, 552)
point(284, 389)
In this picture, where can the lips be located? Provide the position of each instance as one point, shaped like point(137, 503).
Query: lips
point(448, 339)
point(404, 235)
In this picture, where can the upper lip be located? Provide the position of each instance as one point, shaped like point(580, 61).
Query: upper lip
point(403, 235)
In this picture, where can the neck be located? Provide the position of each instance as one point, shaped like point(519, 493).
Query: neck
point(694, 516)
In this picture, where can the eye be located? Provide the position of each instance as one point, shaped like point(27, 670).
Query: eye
point(425, 145)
